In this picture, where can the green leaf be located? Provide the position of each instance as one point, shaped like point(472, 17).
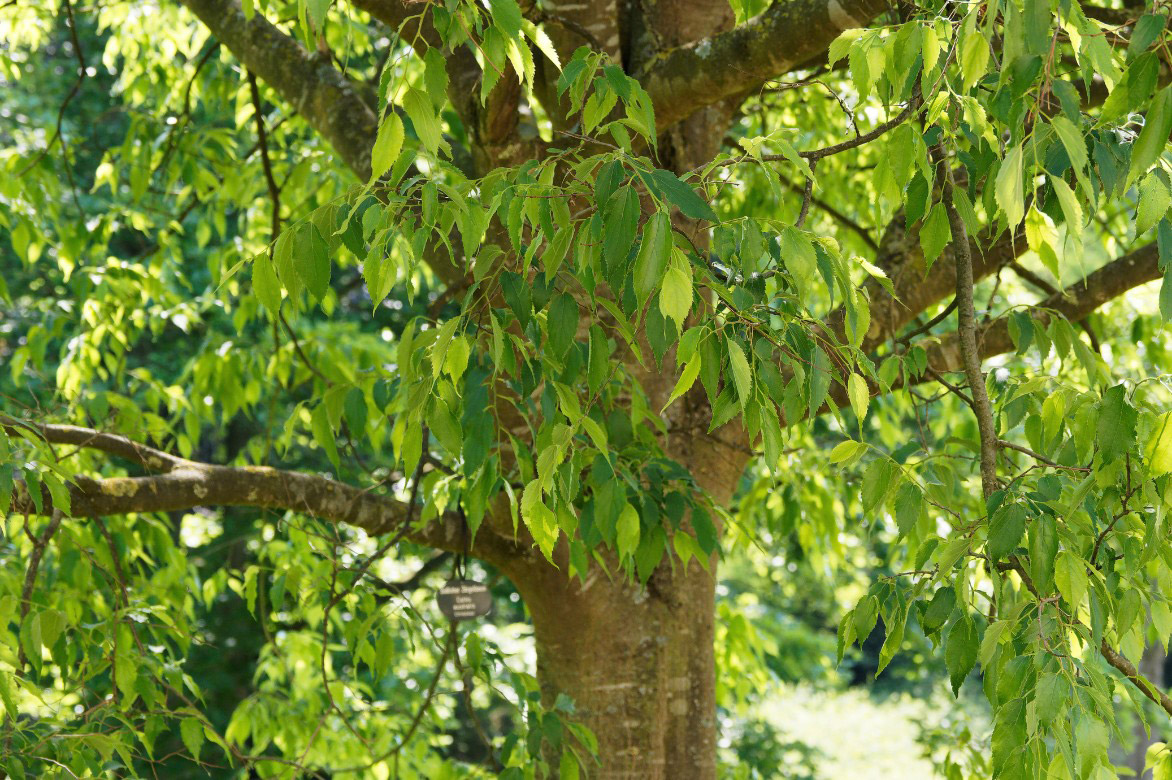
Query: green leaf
point(974, 56)
point(1071, 208)
point(387, 145)
point(860, 395)
point(847, 450)
point(866, 616)
point(1009, 187)
point(422, 115)
point(562, 324)
point(909, 501)
point(265, 284)
point(682, 196)
point(323, 434)
point(1116, 429)
point(1166, 295)
point(317, 11)
point(939, 609)
point(1154, 137)
point(1070, 575)
point(876, 483)
point(1005, 530)
point(960, 652)
point(1159, 447)
point(191, 730)
point(1050, 696)
point(935, 234)
point(654, 252)
point(1072, 141)
point(686, 380)
point(1153, 203)
point(742, 375)
point(507, 16)
point(1043, 544)
point(627, 530)
point(798, 252)
point(675, 299)
point(311, 259)
point(620, 221)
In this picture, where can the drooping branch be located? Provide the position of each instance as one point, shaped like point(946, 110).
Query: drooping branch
point(327, 100)
point(733, 63)
point(185, 484)
point(1074, 303)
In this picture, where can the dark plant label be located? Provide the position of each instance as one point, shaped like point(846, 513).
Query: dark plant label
point(464, 599)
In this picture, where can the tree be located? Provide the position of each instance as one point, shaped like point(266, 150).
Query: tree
point(538, 284)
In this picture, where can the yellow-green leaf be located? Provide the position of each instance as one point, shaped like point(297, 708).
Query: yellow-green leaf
point(387, 145)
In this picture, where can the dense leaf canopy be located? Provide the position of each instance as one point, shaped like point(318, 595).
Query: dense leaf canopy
point(305, 304)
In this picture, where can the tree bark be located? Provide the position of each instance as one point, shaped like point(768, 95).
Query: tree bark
point(638, 663)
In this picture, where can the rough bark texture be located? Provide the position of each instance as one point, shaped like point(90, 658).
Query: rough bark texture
point(637, 662)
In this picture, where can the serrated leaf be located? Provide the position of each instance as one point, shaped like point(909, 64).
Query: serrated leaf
point(562, 324)
point(974, 56)
point(909, 500)
point(1050, 696)
point(1159, 447)
point(1153, 204)
point(422, 115)
point(798, 253)
point(960, 652)
point(265, 284)
point(742, 375)
point(1116, 428)
point(311, 259)
point(1071, 208)
point(191, 730)
point(846, 450)
point(1008, 189)
point(681, 195)
point(1154, 137)
point(675, 297)
point(654, 251)
point(686, 380)
point(859, 394)
point(627, 531)
point(387, 145)
point(935, 234)
point(1005, 530)
point(1043, 545)
point(1070, 576)
point(1072, 141)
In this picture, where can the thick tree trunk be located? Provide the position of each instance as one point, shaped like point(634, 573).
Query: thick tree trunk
point(638, 660)
point(638, 663)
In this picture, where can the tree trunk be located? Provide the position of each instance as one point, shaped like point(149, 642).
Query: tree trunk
point(638, 663)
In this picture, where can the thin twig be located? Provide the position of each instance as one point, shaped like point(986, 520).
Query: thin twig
point(30, 575)
point(81, 75)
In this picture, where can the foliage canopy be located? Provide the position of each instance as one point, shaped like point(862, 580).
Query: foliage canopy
point(295, 293)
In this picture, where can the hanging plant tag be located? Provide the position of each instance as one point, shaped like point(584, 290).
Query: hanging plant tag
point(464, 599)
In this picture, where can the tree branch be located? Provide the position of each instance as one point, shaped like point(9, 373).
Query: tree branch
point(319, 92)
point(185, 484)
point(966, 330)
point(733, 63)
point(1074, 303)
